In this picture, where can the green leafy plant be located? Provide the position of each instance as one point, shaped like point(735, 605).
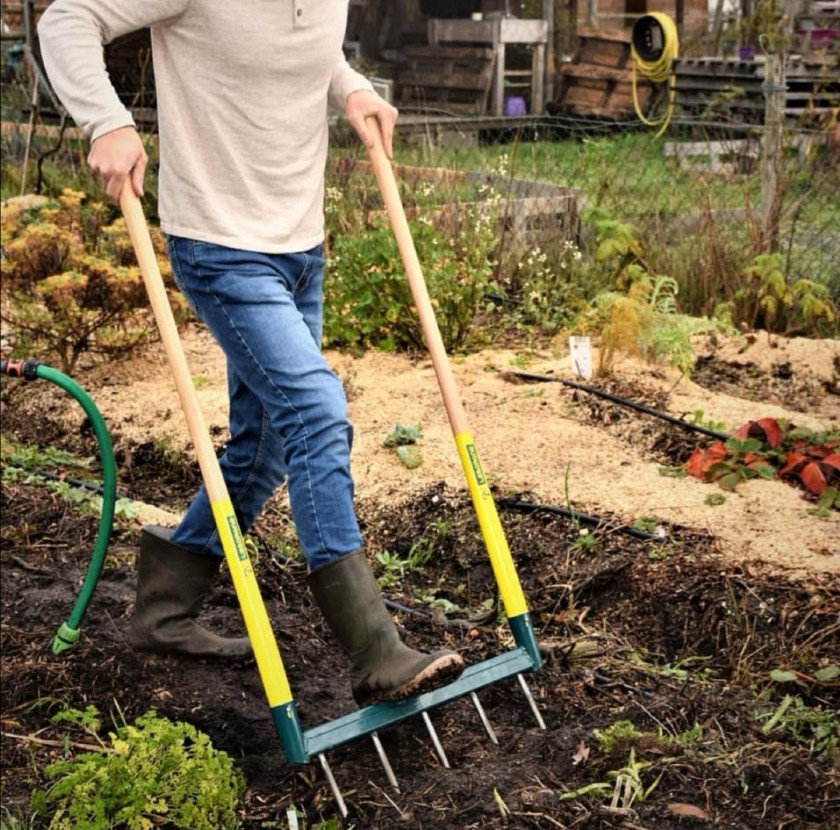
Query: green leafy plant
point(586, 542)
point(70, 281)
point(768, 300)
point(151, 773)
point(617, 737)
point(698, 418)
point(624, 785)
point(628, 787)
point(368, 302)
point(10, 820)
point(391, 569)
point(767, 26)
point(731, 462)
point(56, 470)
point(815, 727)
point(548, 287)
point(404, 441)
point(618, 245)
point(642, 321)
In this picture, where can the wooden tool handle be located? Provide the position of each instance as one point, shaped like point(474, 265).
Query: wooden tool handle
point(147, 259)
point(396, 214)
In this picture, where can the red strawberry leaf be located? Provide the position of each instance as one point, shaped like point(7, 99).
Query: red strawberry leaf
point(793, 461)
point(772, 431)
point(743, 431)
point(813, 478)
point(833, 460)
point(701, 460)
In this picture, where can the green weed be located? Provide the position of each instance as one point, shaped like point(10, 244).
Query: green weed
point(148, 773)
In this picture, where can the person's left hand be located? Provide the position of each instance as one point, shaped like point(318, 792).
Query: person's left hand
point(363, 104)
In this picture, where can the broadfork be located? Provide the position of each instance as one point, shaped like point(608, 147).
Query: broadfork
point(300, 745)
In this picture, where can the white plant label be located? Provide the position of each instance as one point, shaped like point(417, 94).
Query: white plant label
point(580, 355)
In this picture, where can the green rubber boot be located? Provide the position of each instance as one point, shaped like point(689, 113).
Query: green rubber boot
point(382, 667)
point(172, 583)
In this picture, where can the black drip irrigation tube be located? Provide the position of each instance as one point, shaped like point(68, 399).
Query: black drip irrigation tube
point(583, 518)
point(600, 393)
point(530, 507)
point(31, 369)
point(68, 633)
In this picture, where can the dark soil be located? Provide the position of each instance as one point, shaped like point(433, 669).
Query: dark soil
point(645, 624)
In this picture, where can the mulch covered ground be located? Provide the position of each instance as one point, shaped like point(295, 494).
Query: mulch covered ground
point(659, 632)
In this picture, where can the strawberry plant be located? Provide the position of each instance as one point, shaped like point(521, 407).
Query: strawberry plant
point(768, 449)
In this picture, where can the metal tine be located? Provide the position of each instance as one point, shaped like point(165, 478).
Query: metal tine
point(438, 748)
point(531, 702)
point(342, 807)
point(483, 715)
point(383, 758)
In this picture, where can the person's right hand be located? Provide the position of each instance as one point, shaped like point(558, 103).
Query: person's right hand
point(117, 156)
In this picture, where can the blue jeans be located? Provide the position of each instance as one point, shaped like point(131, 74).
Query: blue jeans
point(288, 412)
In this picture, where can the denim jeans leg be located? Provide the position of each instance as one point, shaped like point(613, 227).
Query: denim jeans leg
point(288, 410)
point(252, 467)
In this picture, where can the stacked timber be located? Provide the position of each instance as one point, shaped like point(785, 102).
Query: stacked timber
point(449, 78)
point(732, 88)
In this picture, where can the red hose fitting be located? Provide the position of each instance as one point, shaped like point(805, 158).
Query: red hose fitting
point(17, 368)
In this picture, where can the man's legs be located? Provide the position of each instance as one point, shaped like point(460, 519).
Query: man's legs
point(288, 411)
point(288, 415)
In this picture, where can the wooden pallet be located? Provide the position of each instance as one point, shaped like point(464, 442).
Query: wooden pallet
point(599, 80)
point(452, 78)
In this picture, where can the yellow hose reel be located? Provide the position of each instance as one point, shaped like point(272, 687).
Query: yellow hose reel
point(655, 45)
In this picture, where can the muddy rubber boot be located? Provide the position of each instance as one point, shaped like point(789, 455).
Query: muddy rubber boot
point(382, 667)
point(172, 583)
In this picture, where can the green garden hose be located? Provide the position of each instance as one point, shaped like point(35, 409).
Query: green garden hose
point(31, 369)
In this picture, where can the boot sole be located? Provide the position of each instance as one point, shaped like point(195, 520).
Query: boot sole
point(138, 641)
point(446, 668)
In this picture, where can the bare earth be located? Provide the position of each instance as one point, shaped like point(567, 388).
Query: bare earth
point(537, 438)
point(677, 639)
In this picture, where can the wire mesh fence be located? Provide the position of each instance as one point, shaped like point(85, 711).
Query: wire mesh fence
point(694, 198)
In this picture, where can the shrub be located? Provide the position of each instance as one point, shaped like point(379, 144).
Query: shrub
point(70, 281)
point(368, 301)
point(149, 774)
point(640, 316)
point(549, 286)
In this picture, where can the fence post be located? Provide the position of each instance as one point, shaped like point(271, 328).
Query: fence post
point(772, 145)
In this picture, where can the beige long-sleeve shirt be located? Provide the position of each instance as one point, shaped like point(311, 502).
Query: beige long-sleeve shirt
point(242, 92)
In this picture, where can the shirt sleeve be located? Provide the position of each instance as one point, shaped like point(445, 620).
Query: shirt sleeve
point(72, 35)
point(345, 80)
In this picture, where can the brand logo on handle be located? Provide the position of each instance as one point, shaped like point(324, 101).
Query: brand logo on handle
point(472, 454)
point(236, 538)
